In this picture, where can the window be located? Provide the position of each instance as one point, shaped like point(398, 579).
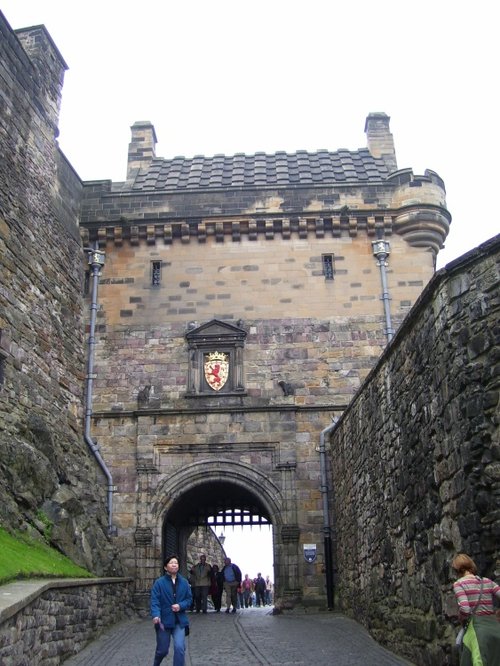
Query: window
point(3, 357)
point(328, 266)
point(155, 273)
point(86, 283)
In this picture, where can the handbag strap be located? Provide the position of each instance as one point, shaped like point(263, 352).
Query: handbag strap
point(479, 600)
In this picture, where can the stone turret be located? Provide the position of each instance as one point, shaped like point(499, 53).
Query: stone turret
point(380, 140)
point(142, 148)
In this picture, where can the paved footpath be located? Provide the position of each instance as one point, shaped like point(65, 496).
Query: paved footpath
point(252, 636)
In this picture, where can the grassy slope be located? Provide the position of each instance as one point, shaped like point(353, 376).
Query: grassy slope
point(22, 558)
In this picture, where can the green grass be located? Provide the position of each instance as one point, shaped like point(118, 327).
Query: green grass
point(22, 558)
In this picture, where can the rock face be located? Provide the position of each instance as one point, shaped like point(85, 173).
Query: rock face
point(49, 482)
point(416, 460)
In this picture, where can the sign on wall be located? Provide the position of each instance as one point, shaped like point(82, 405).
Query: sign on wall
point(309, 552)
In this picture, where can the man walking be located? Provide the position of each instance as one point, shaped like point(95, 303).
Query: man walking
point(232, 580)
point(201, 574)
point(260, 590)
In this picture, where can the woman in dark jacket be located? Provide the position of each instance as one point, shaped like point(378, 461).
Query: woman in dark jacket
point(170, 599)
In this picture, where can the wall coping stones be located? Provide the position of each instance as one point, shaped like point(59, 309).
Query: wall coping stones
point(16, 596)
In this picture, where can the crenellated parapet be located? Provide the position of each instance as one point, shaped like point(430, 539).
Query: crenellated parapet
point(420, 225)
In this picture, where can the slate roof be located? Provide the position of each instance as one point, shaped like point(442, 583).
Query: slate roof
point(261, 170)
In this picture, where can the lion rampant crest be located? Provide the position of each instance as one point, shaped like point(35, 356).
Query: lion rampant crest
point(216, 368)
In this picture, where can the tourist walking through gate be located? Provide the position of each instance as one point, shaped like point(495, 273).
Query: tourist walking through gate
point(269, 591)
point(201, 575)
point(480, 644)
point(232, 580)
point(247, 586)
point(260, 590)
point(216, 587)
point(170, 599)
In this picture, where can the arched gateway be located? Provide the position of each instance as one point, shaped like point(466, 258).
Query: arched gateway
point(238, 493)
point(210, 495)
point(207, 488)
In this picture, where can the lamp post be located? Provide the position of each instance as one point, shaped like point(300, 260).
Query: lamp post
point(381, 251)
point(221, 538)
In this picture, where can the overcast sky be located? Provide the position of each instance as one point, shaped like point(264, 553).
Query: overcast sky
point(234, 76)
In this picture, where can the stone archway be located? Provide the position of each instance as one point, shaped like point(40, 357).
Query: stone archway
point(209, 483)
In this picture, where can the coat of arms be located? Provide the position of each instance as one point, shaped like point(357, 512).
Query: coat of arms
point(216, 368)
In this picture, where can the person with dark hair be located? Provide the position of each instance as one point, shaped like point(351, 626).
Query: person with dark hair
point(170, 599)
point(216, 587)
point(475, 597)
point(259, 585)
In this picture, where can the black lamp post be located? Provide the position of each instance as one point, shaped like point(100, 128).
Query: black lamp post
point(381, 251)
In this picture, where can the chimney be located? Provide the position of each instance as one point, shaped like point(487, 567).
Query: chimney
point(142, 148)
point(379, 138)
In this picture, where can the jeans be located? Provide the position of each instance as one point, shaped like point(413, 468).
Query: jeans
point(163, 643)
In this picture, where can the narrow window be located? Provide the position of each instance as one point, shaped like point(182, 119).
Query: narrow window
point(155, 273)
point(86, 283)
point(3, 357)
point(328, 268)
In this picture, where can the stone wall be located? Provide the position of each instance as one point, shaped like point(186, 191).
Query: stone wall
point(59, 619)
point(41, 315)
point(416, 464)
point(278, 280)
point(203, 541)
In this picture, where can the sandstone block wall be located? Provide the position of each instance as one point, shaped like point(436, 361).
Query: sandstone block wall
point(61, 620)
point(416, 464)
point(264, 278)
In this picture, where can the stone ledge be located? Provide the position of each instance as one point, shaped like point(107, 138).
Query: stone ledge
point(15, 596)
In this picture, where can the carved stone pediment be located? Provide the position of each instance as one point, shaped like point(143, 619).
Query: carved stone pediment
point(215, 359)
point(216, 331)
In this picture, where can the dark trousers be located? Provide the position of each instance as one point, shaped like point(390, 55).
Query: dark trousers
point(217, 599)
point(200, 598)
point(260, 597)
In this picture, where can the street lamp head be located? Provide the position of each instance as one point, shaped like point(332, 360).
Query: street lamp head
point(381, 248)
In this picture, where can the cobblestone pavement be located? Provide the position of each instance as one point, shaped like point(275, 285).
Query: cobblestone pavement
point(253, 637)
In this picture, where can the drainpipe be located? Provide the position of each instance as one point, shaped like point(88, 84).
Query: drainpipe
point(381, 250)
point(327, 534)
point(96, 262)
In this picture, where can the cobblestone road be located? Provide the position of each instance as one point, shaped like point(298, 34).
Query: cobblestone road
point(252, 637)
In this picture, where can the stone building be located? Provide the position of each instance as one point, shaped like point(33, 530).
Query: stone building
point(242, 302)
point(235, 306)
